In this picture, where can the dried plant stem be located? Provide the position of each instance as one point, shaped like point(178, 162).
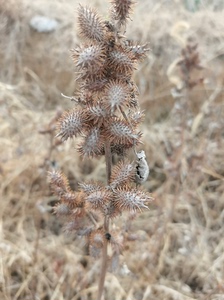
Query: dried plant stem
point(104, 262)
point(103, 271)
point(108, 158)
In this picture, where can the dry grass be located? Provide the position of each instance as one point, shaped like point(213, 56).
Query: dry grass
point(174, 251)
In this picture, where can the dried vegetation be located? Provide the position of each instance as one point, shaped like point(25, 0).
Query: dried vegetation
point(175, 250)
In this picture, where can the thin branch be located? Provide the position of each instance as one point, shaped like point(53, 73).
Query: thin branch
point(104, 262)
point(108, 158)
point(103, 271)
point(71, 98)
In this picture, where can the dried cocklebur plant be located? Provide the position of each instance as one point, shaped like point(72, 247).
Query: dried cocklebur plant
point(186, 73)
point(106, 115)
point(49, 130)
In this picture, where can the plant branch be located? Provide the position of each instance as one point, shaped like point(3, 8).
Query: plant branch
point(103, 271)
point(108, 158)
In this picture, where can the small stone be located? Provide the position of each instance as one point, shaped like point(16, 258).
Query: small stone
point(43, 24)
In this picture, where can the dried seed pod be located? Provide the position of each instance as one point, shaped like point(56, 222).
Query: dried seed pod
point(89, 188)
point(122, 147)
point(130, 199)
point(98, 198)
point(92, 145)
point(116, 94)
point(121, 131)
point(136, 117)
point(94, 84)
point(121, 10)
point(95, 113)
point(59, 183)
point(97, 238)
point(71, 124)
point(121, 62)
point(139, 51)
point(89, 60)
point(90, 24)
point(122, 173)
point(74, 199)
point(62, 209)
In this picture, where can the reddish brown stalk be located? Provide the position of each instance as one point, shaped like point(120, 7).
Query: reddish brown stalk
point(103, 271)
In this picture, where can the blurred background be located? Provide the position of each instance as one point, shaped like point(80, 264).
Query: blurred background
point(176, 249)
